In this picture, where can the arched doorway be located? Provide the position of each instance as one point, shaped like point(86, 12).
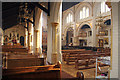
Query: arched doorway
point(69, 36)
point(85, 35)
point(6, 40)
point(22, 40)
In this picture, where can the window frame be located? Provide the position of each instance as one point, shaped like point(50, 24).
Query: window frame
point(84, 12)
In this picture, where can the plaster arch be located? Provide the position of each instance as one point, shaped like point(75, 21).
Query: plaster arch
point(108, 20)
point(66, 29)
point(37, 18)
point(80, 26)
point(54, 13)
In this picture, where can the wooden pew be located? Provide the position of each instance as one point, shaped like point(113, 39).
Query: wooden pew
point(34, 72)
point(75, 50)
point(85, 60)
point(12, 61)
point(66, 52)
point(88, 59)
point(72, 56)
point(14, 50)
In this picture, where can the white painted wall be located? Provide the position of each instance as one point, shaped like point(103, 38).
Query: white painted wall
point(77, 22)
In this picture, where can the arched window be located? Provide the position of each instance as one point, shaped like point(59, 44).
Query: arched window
point(104, 7)
point(84, 12)
point(69, 18)
point(87, 12)
point(81, 14)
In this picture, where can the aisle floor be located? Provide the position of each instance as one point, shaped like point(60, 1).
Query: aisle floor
point(70, 69)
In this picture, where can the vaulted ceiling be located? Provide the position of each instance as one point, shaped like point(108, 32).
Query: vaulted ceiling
point(10, 11)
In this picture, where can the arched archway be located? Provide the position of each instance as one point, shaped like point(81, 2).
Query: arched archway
point(22, 40)
point(69, 35)
point(108, 22)
point(85, 35)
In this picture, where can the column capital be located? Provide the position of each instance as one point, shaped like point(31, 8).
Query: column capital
point(29, 33)
point(54, 24)
point(36, 30)
point(109, 4)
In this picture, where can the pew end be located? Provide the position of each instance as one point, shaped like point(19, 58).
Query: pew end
point(80, 75)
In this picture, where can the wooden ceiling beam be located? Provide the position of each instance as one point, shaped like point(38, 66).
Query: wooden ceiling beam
point(40, 6)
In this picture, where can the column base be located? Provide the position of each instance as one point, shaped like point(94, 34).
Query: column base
point(25, 45)
point(54, 57)
point(29, 48)
point(59, 57)
point(36, 51)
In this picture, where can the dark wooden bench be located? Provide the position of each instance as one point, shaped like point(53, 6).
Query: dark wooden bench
point(47, 72)
point(34, 72)
point(12, 61)
point(88, 59)
point(66, 52)
point(14, 50)
point(85, 60)
point(72, 56)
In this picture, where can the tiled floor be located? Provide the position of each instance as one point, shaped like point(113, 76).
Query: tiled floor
point(70, 69)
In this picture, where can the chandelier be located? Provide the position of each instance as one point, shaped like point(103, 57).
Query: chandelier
point(26, 12)
point(101, 25)
point(23, 13)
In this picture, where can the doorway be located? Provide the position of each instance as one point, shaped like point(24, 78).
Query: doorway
point(69, 36)
point(22, 40)
point(82, 43)
point(100, 42)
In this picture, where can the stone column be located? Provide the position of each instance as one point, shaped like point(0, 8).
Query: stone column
point(54, 37)
point(37, 32)
point(25, 41)
point(96, 11)
point(115, 40)
point(93, 33)
point(49, 40)
point(54, 42)
point(36, 38)
point(29, 41)
point(75, 39)
point(59, 37)
point(29, 36)
point(75, 28)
